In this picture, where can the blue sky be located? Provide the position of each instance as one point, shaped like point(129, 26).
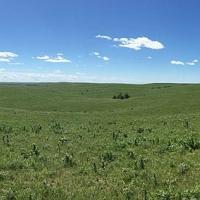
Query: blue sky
point(128, 41)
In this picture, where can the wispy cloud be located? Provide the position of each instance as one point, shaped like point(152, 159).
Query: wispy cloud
point(195, 61)
point(53, 76)
point(105, 58)
point(178, 62)
point(138, 43)
point(98, 55)
point(104, 37)
point(7, 57)
point(59, 58)
point(15, 63)
point(191, 63)
point(58, 76)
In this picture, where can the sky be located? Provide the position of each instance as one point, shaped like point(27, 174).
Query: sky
point(101, 41)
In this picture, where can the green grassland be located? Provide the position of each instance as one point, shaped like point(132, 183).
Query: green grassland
point(73, 141)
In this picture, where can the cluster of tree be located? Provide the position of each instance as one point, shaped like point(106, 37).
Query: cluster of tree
point(121, 96)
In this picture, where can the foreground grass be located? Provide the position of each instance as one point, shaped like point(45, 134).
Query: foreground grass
point(73, 141)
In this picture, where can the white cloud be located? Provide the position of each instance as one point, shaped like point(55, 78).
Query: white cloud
point(195, 61)
point(105, 58)
point(191, 63)
point(149, 57)
point(59, 58)
point(177, 62)
point(7, 56)
point(138, 43)
point(4, 60)
point(43, 57)
point(104, 37)
point(98, 55)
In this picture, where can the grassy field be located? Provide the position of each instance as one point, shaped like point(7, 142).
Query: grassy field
point(73, 141)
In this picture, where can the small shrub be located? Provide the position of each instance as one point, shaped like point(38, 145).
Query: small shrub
point(126, 96)
point(121, 96)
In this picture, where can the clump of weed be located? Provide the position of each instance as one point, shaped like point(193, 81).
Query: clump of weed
point(163, 195)
point(63, 140)
point(35, 150)
point(183, 168)
point(190, 143)
point(36, 128)
point(56, 127)
point(68, 160)
point(140, 130)
point(6, 140)
point(6, 129)
point(95, 167)
point(140, 163)
point(108, 157)
point(15, 165)
point(3, 176)
point(145, 194)
point(131, 154)
point(190, 194)
point(129, 194)
point(115, 136)
point(11, 195)
point(186, 124)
